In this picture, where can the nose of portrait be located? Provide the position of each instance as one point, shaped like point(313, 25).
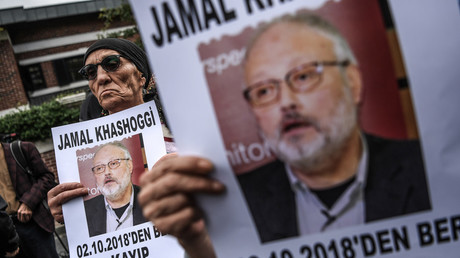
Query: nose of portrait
point(288, 99)
point(107, 172)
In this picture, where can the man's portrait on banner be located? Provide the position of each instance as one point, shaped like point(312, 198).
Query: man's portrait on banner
point(111, 171)
point(303, 87)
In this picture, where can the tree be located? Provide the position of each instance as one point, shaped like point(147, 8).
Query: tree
point(121, 13)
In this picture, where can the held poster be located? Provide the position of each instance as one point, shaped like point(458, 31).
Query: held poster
point(289, 99)
point(108, 155)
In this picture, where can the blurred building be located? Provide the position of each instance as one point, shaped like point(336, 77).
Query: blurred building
point(42, 43)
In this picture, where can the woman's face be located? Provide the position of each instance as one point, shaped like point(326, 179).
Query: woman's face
point(117, 90)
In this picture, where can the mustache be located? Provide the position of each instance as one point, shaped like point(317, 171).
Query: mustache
point(109, 178)
point(293, 119)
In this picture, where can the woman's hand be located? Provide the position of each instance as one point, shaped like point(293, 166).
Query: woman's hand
point(61, 194)
point(167, 200)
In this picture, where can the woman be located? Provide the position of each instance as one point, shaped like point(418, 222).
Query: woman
point(118, 73)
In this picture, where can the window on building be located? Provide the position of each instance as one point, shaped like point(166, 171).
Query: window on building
point(67, 69)
point(32, 77)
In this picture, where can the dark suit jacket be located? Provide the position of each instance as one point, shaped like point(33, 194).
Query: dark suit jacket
point(96, 214)
point(396, 185)
point(9, 239)
point(27, 190)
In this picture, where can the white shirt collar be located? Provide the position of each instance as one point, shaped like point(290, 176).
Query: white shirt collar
point(126, 220)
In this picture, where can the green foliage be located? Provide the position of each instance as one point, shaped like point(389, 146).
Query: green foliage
point(35, 124)
point(127, 33)
point(123, 13)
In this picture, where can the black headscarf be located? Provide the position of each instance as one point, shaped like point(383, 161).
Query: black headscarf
point(126, 48)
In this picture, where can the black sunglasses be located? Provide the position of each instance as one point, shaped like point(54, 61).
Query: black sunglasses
point(109, 64)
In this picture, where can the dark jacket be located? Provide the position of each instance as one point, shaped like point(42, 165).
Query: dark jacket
point(90, 108)
point(396, 185)
point(96, 213)
point(9, 239)
point(28, 190)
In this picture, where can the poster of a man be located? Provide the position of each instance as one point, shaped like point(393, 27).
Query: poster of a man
point(105, 171)
point(304, 89)
point(342, 136)
point(116, 207)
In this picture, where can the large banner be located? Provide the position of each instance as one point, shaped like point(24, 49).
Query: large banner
point(296, 103)
point(108, 155)
point(429, 39)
